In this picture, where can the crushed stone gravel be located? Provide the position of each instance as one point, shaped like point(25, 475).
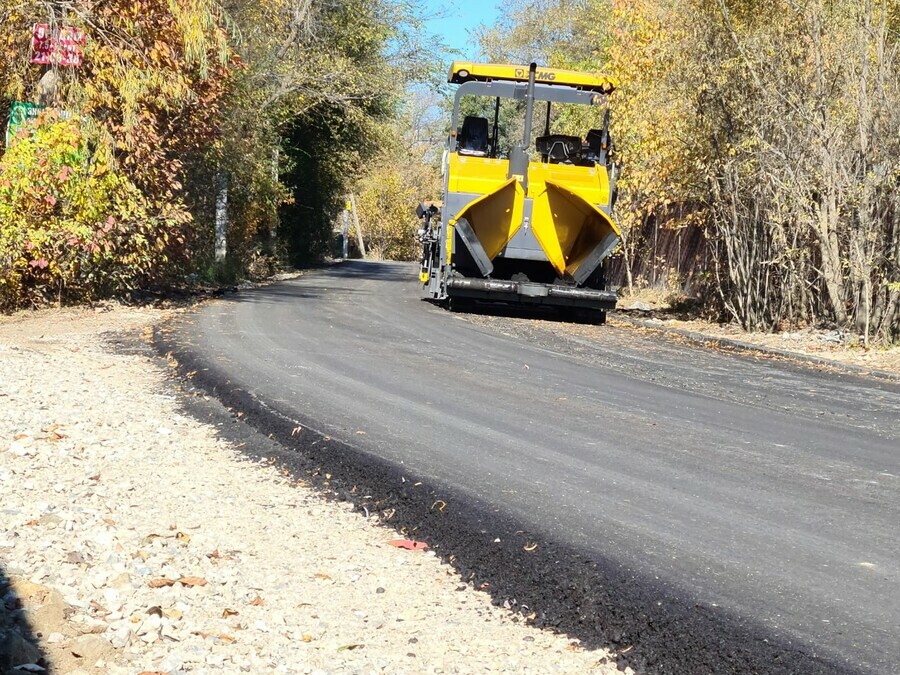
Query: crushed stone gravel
point(133, 539)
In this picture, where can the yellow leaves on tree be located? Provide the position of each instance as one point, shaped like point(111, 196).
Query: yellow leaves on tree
point(147, 98)
point(387, 198)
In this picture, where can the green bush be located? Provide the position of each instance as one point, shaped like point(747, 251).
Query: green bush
point(71, 227)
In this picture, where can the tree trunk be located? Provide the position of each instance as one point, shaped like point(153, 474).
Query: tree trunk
point(221, 215)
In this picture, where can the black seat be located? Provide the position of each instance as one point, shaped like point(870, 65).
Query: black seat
point(474, 136)
point(559, 148)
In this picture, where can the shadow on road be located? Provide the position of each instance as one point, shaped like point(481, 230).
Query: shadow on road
point(18, 643)
point(375, 270)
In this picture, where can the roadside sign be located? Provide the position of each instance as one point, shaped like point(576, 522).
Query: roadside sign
point(19, 115)
point(71, 40)
point(62, 47)
point(41, 44)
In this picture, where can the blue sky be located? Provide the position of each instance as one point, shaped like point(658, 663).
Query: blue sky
point(457, 22)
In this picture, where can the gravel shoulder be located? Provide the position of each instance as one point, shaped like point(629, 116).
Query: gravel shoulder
point(817, 345)
point(134, 539)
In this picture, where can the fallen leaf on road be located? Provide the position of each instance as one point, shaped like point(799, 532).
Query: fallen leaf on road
point(161, 583)
point(409, 544)
point(307, 637)
point(181, 536)
point(530, 547)
point(258, 601)
point(228, 612)
point(347, 647)
point(192, 581)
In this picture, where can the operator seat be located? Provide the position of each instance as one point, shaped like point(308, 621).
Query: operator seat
point(473, 137)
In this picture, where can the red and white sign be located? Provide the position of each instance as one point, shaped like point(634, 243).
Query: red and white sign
point(71, 40)
point(62, 47)
point(42, 46)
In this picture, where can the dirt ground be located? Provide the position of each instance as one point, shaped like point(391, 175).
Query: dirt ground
point(840, 347)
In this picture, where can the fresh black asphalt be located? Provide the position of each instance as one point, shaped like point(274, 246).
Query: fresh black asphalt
point(696, 511)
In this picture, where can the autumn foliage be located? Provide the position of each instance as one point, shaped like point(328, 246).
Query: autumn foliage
point(91, 198)
point(767, 129)
point(282, 101)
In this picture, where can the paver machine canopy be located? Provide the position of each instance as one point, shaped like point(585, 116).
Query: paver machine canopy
point(531, 224)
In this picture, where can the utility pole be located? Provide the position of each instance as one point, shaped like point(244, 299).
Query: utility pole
point(345, 231)
point(359, 237)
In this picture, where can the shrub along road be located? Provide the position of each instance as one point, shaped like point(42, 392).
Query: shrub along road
point(697, 511)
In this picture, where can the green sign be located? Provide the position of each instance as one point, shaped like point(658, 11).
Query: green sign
point(19, 115)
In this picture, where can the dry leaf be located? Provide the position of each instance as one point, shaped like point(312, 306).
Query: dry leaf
point(349, 647)
point(228, 612)
point(161, 582)
point(192, 581)
point(307, 637)
point(110, 522)
point(409, 544)
point(181, 536)
point(173, 614)
point(257, 601)
point(530, 547)
point(322, 575)
point(221, 636)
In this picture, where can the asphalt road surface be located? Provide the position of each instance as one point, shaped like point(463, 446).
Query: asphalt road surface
point(745, 509)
